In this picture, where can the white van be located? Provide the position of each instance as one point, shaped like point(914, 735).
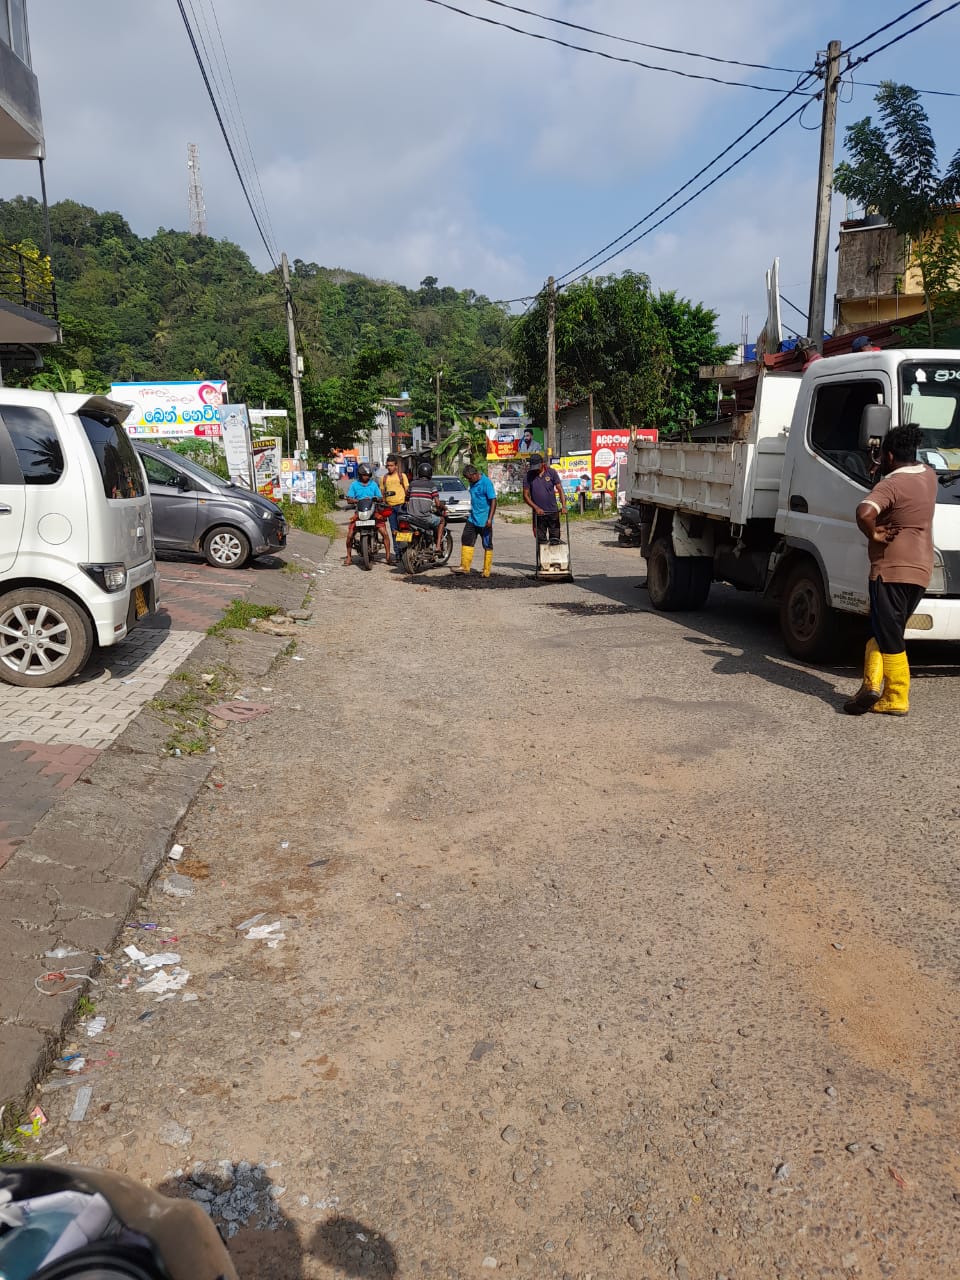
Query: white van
point(76, 535)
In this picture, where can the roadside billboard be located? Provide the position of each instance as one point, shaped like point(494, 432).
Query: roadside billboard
point(506, 443)
point(575, 470)
point(609, 449)
point(266, 466)
point(172, 410)
point(236, 443)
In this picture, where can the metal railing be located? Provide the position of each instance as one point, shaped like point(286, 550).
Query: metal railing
point(28, 282)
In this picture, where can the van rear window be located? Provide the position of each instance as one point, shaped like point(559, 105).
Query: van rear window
point(36, 443)
point(116, 457)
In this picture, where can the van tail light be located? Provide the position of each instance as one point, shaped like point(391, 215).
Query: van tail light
point(108, 577)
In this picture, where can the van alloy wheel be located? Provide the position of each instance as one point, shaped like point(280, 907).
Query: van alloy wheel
point(44, 638)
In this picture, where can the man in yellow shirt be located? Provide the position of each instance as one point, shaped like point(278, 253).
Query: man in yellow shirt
point(394, 486)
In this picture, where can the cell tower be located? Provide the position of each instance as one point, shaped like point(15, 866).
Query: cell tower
point(198, 210)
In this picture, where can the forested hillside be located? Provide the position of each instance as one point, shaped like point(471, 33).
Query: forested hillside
point(173, 305)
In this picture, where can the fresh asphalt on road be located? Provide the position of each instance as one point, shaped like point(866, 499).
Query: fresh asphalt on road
point(610, 948)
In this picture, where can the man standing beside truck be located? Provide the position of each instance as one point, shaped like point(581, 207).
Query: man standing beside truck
point(897, 521)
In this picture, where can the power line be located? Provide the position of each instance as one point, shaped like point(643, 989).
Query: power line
point(599, 53)
point(868, 84)
point(223, 129)
point(643, 44)
point(690, 181)
point(857, 62)
point(800, 313)
point(887, 25)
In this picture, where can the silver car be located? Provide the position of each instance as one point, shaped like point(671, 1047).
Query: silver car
point(456, 495)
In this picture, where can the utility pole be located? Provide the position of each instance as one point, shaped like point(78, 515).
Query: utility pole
point(817, 310)
point(295, 367)
point(438, 376)
point(551, 369)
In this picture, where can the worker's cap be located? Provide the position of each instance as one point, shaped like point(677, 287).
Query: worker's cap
point(858, 344)
point(536, 459)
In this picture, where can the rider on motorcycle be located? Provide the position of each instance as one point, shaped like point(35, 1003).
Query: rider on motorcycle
point(363, 487)
point(423, 501)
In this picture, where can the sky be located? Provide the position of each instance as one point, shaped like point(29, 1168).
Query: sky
point(401, 140)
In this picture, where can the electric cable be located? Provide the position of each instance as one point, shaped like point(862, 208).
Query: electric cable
point(643, 44)
point(887, 25)
point(858, 62)
point(611, 57)
point(867, 84)
point(223, 129)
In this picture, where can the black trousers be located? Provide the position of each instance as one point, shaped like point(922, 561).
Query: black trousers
point(471, 532)
point(891, 604)
point(547, 526)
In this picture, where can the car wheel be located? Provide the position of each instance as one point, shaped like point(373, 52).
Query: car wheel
point(226, 548)
point(44, 638)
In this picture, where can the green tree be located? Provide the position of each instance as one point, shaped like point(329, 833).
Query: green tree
point(893, 168)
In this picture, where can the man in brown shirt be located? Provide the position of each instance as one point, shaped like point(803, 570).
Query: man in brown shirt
point(897, 521)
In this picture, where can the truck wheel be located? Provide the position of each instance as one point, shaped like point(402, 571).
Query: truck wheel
point(44, 638)
point(808, 624)
point(226, 548)
point(677, 583)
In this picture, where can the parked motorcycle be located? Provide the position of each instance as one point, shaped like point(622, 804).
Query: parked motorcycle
point(416, 543)
point(368, 531)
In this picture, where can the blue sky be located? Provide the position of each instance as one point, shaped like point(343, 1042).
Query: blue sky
point(396, 138)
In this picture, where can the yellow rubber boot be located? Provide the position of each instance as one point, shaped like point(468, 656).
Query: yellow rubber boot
point(466, 560)
point(487, 562)
point(872, 686)
point(896, 688)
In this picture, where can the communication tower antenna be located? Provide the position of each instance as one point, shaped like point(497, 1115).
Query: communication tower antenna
point(198, 210)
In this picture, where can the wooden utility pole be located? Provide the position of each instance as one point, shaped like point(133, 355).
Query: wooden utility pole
point(295, 369)
point(817, 311)
point(551, 369)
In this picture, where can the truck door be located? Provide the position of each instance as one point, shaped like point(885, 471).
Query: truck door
point(13, 499)
point(829, 479)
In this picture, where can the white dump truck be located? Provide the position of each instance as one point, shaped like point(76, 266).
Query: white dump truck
point(771, 507)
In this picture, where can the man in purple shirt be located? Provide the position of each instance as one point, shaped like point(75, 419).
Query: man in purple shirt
point(543, 493)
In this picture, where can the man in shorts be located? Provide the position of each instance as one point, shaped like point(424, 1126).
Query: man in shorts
point(423, 501)
point(395, 485)
point(483, 507)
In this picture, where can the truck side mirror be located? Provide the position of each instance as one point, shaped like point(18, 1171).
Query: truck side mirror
point(874, 423)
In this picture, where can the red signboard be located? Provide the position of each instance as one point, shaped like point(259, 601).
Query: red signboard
point(608, 450)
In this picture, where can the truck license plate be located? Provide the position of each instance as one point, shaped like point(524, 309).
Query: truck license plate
point(141, 608)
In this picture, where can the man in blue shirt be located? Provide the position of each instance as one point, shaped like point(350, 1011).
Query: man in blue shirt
point(363, 487)
point(483, 507)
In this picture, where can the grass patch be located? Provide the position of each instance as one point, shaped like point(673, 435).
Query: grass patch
point(11, 1142)
point(187, 715)
point(310, 517)
point(85, 1007)
point(239, 614)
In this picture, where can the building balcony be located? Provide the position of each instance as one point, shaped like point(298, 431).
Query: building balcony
point(28, 300)
point(21, 124)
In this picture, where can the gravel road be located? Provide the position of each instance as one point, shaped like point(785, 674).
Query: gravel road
point(609, 950)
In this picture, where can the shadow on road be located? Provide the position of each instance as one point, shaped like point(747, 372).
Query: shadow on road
point(355, 1248)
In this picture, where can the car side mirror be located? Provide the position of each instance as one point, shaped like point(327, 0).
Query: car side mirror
point(184, 483)
point(874, 423)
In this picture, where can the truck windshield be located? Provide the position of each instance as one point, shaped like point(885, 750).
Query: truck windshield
point(930, 399)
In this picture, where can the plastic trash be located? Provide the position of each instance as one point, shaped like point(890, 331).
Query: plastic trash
point(81, 1102)
point(61, 953)
point(165, 983)
point(95, 1026)
point(252, 921)
point(176, 853)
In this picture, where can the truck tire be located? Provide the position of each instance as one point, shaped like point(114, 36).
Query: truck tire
point(677, 583)
point(44, 638)
point(809, 626)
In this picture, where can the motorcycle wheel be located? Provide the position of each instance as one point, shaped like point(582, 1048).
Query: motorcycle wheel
point(411, 561)
point(446, 547)
point(366, 551)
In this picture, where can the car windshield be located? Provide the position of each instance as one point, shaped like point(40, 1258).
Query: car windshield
point(930, 400)
point(450, 484)
point(194, 469)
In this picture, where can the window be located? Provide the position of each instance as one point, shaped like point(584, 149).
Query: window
point(159, 472)
point(4, 23)
point(835, 424)
point(115, 455)
point(36, 443)
point(18, 30)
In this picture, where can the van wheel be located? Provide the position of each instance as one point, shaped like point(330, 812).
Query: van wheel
point(226, 548)
point(677, 583)
point(44, 638)
point(809, 626)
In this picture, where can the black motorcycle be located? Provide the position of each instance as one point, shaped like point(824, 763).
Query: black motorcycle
point(368, 531)
point(416, 541)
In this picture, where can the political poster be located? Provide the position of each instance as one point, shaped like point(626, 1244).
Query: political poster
point(608, 449)
point(266, 466)
point(236, 443)
point(172, 410)
point(298, 486)
point(507, 443)
point(575, 470)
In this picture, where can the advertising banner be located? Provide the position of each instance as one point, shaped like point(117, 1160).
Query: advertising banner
point(299, 486)
point(236, 443)
point(575, 471)
point(172, 410)
point(506, 443)
point(266, 466)
point(609, 449)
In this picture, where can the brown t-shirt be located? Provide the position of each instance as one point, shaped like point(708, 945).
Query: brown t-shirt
point(906, 499)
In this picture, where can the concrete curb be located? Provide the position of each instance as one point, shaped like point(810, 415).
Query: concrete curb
point(78, 877)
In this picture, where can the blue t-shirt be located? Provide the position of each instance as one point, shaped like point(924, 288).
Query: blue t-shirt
point(482, 497)
point(360, 490)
